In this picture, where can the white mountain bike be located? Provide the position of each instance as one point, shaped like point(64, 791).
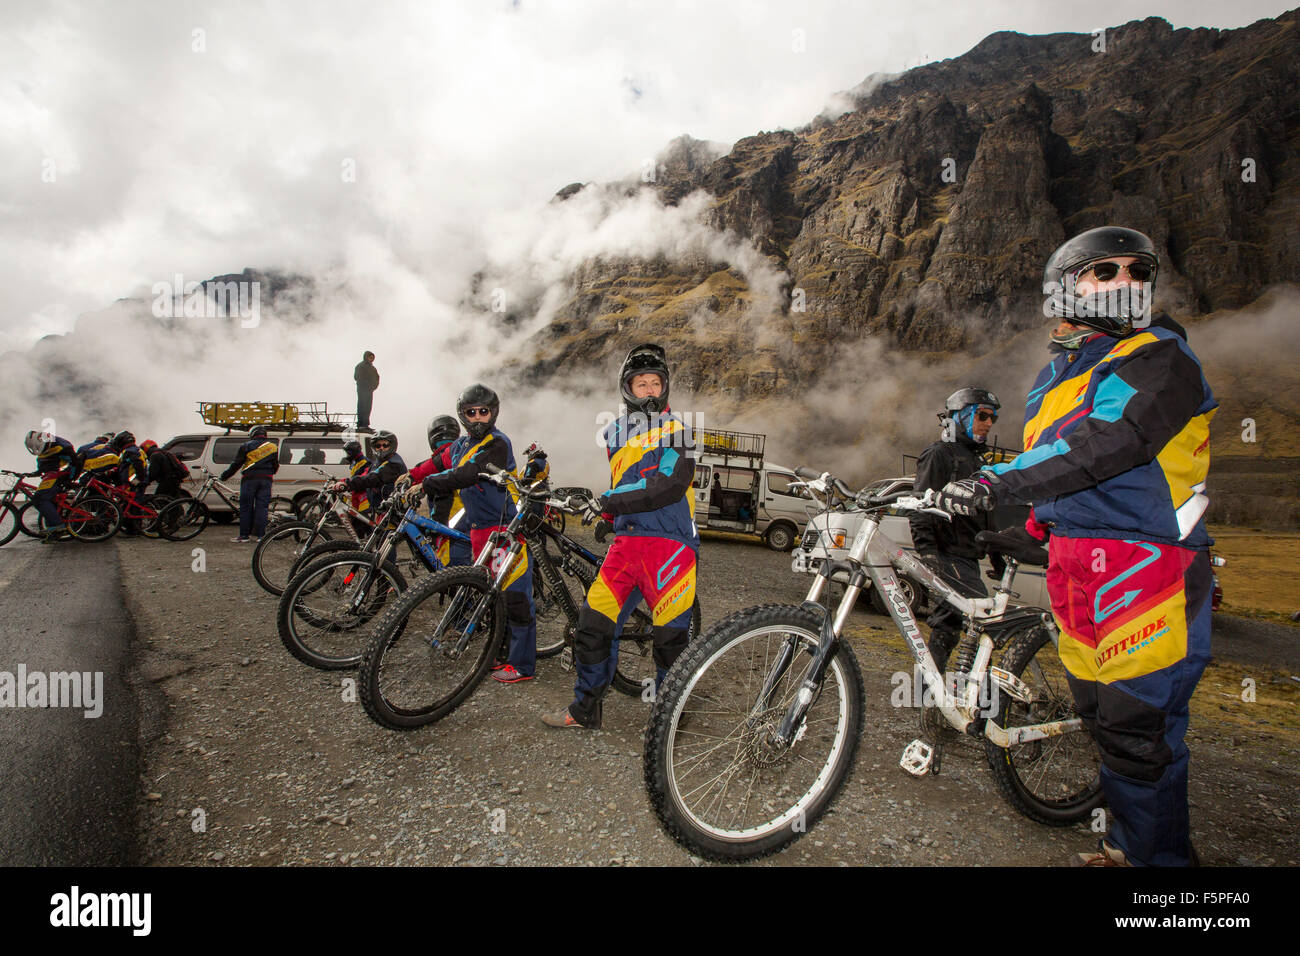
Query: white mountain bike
point(755, 728)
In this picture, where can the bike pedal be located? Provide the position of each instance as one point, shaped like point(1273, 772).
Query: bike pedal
point(566, 659)
point(917, 757)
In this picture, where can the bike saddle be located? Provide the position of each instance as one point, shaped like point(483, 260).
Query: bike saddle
point(1015, 543)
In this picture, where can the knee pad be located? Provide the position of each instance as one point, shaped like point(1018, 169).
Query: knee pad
point(1131, 735)
point(592, 640)
point(669, 644)
point(519, 609)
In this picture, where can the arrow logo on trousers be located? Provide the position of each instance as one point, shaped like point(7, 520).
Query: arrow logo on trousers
point(1100, 613)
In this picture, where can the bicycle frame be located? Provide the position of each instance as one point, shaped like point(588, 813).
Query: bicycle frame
point(876, 556)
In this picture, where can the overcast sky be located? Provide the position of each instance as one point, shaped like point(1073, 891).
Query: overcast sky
point(203, 137)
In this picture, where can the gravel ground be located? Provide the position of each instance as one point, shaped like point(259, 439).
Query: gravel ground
point(253, 758)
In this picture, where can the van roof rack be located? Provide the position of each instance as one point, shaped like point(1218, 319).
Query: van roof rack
point(712, 441)
point(278, 416)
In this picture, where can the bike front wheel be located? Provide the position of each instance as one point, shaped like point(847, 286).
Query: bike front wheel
point(416, 670)
point(29, 520)
point(323, 614)
point(94, 519)
point(277, 556)
point(8, 523)
point(720, 780)
point(1056, 780)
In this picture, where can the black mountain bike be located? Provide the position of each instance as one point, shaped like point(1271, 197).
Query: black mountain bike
point(434, 646)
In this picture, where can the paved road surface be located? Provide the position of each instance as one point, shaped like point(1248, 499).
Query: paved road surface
point(70, 783)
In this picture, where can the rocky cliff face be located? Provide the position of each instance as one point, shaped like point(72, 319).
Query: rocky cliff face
point(925, 213)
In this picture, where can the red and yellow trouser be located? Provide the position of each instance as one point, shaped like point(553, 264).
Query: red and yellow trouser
point(1134, 618)
point(659, 570)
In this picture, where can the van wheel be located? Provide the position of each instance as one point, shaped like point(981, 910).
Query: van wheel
point(780, 536)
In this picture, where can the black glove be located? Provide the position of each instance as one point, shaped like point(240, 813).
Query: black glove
point(603, 528)
point(968, 497)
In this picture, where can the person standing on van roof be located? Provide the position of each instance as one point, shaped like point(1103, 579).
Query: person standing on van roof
point(257, 459)
point(949, 546)
point(367, 379)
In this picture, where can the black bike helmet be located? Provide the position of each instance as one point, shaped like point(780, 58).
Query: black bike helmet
point(383, 435)
point(122, 440)
point(1109, 312)
point(644, 358)
point(473, 396)
point(955, 408)
point(352, 450)
point(441, 430)
point(971, 396)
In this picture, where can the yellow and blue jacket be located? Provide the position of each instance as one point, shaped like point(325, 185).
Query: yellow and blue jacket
point(1117, 439)
point(486, 504)
point(99, 459)
point(57, 455)
point(651, 466)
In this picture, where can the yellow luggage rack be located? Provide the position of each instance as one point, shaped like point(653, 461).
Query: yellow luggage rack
point(287, 414)
point(717, 442)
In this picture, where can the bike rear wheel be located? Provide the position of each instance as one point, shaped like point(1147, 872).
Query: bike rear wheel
point(182, 519)
point(408, 677)
point(324, 611)
point(1056, 781)
point(278, 555)
point(718, 781)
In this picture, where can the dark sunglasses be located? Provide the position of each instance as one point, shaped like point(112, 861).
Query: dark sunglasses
point(987, 416)
point(1105, 271)
point(476, 410)
point(381, 444)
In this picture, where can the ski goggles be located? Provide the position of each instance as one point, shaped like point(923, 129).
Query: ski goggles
point(1105, 271)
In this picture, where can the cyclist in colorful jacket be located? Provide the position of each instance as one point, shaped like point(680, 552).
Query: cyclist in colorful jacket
point(256, 460)
point(380, 477)
point(98, 459)
point(442, 433)
point(652, 464)
point(133, 468)
point(164, 468)
point(1117, 452)
point(56, 460)
point(488, 508)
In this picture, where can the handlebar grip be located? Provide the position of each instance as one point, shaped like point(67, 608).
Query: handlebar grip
point(492, 469)
point(844, 490)
point(807, 473)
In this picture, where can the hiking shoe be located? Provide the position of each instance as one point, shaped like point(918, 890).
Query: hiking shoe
point(1106, 855)
point(240, 540)
point(564, 719)
point(508, 675)
point(56, 534)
